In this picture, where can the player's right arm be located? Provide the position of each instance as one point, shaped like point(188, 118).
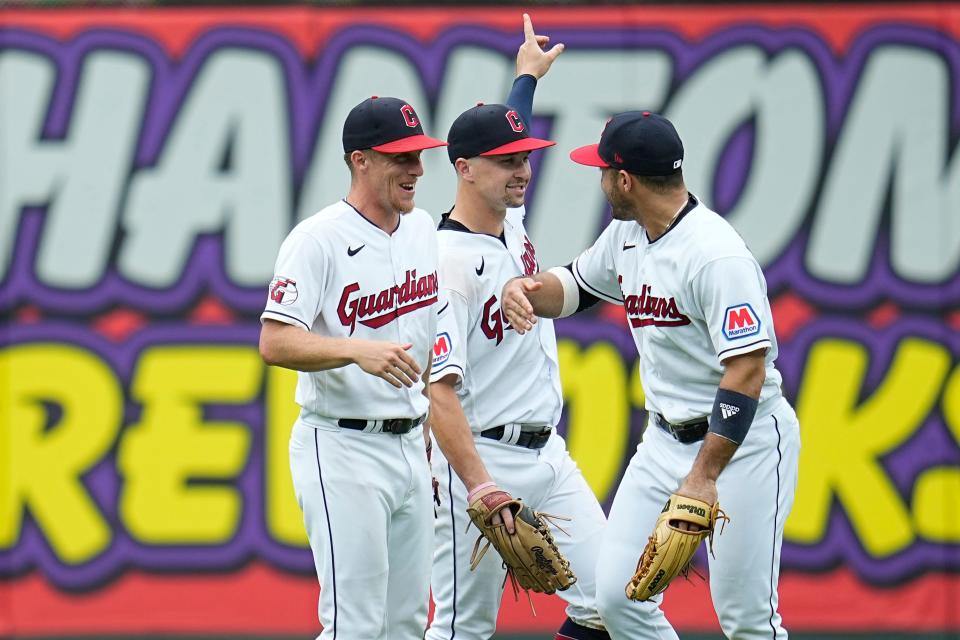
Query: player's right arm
point(452, 432)
point(564, 291)
point(294, 301)
point(291, 347)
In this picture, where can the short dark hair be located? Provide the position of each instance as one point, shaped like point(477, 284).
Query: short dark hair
point(346, 158)
point(662, 184)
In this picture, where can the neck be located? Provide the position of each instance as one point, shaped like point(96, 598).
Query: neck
point(658, 212)
point(373, 209)
point(475, 212)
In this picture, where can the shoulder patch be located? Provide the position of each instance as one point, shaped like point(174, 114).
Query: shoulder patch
point(740, 321)
point(283, 290)
point(441, 349)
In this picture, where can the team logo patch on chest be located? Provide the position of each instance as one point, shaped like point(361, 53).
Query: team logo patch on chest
point(648, 310)
point(740, 321)
point(379, 309)
point(442, 348)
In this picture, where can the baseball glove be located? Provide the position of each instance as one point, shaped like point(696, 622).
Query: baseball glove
point(670, 549)
point(530, 555)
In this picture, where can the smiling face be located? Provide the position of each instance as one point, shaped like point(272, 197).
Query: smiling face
point(392, 179)
point(502, 180)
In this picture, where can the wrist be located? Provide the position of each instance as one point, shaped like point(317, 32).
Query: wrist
point(472, 493)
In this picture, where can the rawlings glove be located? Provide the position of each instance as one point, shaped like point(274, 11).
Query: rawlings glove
point(670, 549)
point(530, 555)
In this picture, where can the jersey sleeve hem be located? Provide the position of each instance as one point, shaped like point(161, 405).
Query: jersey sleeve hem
point(284, 318)
point(438, 374)
point(586, 286)
point(740, 350)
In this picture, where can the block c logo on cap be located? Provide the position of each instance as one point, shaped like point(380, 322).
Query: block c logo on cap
point(514, 119)
point(409, 115)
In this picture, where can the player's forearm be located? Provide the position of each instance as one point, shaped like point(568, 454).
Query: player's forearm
point(547, 301)
point(454, 437)
point(293, 348)
point(742, 375)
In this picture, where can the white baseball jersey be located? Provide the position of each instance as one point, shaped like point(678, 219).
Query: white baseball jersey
point(503, 377)
point(688, 309)
point(340, 275)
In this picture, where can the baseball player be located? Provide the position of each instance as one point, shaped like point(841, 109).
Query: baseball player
point(718, 425)
point(496, 395)
point(353, 308)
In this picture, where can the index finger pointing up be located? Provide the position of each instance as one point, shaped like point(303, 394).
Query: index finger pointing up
point(528, 32)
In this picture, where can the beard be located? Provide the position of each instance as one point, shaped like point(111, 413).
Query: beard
point(620, 208)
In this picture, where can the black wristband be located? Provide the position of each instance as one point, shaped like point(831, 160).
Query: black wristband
point(732, 415)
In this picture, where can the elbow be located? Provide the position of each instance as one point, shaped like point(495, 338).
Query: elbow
point(268, 352)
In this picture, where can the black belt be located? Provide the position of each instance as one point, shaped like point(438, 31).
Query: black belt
point(686, 433)
point(526, 439)
point(396, 426)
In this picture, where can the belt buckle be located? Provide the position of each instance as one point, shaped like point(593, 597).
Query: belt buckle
point(393, 425)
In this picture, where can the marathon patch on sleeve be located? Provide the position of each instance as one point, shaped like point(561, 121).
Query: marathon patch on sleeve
point(740, 321)
point(441, 349)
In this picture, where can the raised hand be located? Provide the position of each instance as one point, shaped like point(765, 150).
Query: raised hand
point(532, 58)
point(387, 360)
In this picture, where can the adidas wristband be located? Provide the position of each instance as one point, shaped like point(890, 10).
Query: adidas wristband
point(732, 415)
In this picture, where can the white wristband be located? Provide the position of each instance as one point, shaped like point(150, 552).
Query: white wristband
point(571, 291)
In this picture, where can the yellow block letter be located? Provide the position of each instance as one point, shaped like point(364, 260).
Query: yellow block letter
point(173, 444)
point(40, 467)
point(843, 441)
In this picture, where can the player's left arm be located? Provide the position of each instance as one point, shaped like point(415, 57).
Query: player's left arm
point(731, 295)
point(743, 377)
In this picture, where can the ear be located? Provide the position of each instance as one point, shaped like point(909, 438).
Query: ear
point(625, 180)
point(360, 160)
point(464, 169)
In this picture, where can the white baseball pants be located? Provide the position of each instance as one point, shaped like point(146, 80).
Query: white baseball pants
point(366, 501)
point(756, 490)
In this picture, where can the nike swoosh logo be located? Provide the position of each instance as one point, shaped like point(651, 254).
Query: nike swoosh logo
point(479, 269)
point(353, 252)
point(628, 246)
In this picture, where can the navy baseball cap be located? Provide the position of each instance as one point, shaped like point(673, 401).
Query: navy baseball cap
point(388, 125)
point(639, 142)
point(490, 130)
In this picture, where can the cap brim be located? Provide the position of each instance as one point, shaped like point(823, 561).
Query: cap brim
point(524, 144)
point(588, 155)
point(410, 143)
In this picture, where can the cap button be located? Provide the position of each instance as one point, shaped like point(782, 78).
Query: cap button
point(374, 97)
point(479, 104)
point(646, 114)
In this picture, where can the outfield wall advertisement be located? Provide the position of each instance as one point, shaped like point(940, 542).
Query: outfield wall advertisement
point(151, 161)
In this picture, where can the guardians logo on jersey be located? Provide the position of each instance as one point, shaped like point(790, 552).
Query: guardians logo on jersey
point(493, 323)
point(648, 310)
point(283, 290)
point(529, 258)
point(379, 309)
